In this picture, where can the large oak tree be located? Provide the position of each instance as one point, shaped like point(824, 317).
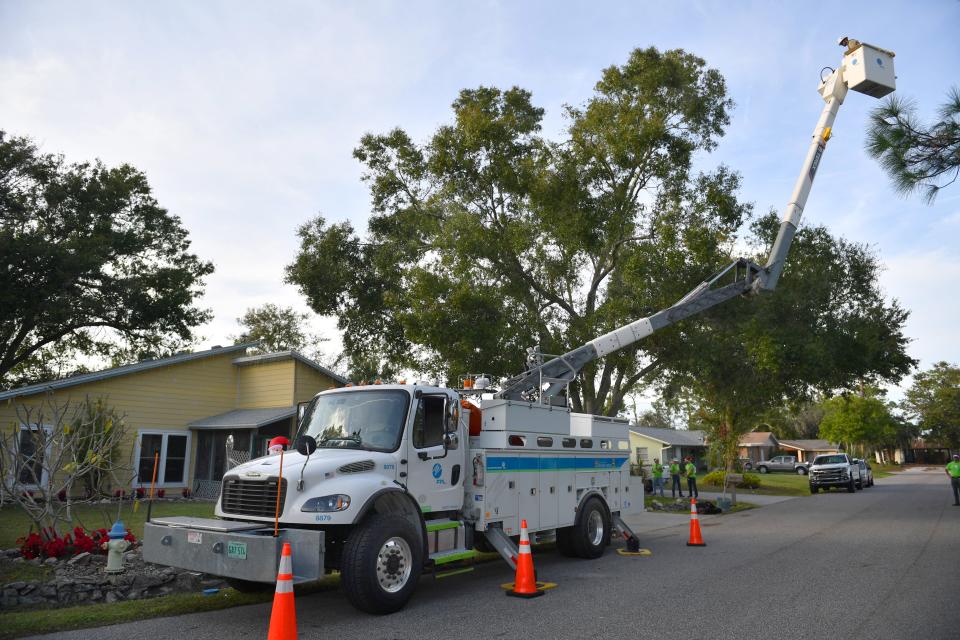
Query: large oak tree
point(89, 264)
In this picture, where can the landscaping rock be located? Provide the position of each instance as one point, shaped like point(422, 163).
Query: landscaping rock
point(50, 561)
point(80, 558)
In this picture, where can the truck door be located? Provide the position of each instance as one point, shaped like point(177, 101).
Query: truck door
point(436, 451)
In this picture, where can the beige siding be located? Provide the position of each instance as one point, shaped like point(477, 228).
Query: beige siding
point(165, 399)
point(653, 447)
point(269, 384)
point(310, 382)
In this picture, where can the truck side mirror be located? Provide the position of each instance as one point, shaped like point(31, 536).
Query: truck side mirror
point(306, 445)
point(451, 440)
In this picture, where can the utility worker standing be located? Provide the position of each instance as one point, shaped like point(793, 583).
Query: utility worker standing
point(953, 470)
point(675, 476)
point(657, 476)
point(691, 470)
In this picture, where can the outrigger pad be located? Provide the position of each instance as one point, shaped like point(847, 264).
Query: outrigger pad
point(638, 552)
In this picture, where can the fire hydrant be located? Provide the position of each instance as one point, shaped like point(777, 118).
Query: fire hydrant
point(115, 547)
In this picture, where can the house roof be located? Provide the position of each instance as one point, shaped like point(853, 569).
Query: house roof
point(809, 445)
point(283, 355)
point(145, 365)
point(244, 418)
point(672, 437)
point(757, 439)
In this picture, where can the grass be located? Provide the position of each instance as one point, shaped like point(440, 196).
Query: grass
point(15, 524)
point(885, 470)
point(774, 484)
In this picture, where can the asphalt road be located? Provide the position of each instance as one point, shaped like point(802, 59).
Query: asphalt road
point(880, 563)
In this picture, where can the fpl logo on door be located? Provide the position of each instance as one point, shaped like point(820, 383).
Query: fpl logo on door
point(437, 472)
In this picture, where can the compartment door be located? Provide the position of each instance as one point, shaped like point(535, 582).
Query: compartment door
point(549, 492)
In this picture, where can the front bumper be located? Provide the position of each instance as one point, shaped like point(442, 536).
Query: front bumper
point(240, 550)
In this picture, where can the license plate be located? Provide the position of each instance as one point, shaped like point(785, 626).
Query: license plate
point(237, 550)
point(194, 537)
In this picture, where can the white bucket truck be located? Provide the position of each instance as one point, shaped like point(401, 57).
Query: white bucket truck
point(390, 480)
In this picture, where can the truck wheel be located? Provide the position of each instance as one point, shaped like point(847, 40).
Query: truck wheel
point(247, 586)
point(382, 562)
point(801, 471)
point(591, 532)
point(762, 469)
point(851, 487)
point(814, 488)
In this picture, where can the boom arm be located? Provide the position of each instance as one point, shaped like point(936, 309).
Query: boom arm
point(866, 69)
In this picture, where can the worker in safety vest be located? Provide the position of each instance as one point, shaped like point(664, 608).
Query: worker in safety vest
point(675, 477)
point(691, 470)
point(657, 476)
point(953, 470)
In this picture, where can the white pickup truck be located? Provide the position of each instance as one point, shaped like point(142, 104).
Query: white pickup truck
point(835, 470)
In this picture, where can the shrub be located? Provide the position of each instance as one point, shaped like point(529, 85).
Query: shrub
point(161, 493)
point(715, 478)
point(140, 493)
point(186, 492)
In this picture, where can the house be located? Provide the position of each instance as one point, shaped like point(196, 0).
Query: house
point(757, 446)
point(185, 407)
point(647, 443)
point(807, 450)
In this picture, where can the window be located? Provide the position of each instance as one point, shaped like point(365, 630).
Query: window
point(428, 423)
point(30, 471)
point(643, 455)
point(172, 448)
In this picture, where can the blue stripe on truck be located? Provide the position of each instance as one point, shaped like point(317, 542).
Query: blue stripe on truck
point(501, 464)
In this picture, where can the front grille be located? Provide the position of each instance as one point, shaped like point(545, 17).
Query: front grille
point(252, 497)
point(832, 475)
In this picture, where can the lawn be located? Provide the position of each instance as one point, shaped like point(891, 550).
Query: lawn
point(773, 484)
point(15, 524)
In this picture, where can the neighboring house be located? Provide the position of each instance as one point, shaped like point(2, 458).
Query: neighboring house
point(807, 450)
point(757, 446)
point(185, 407)
point(647, 443)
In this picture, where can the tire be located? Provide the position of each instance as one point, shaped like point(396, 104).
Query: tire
point(814, 488)
point(762, 469)
point(247, 586)
point(382, 562)
point(591, 533)
point(801, 471)
point(851, 487)
point(565, 542)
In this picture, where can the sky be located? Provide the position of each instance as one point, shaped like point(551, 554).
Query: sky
point(244, 115)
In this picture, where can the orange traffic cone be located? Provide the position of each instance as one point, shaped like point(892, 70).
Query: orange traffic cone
point(283, 618)
point(525, 584)
point(696, 540)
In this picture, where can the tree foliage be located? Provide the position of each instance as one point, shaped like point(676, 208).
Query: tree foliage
point(278, 329)
point(489, 237)
point(934, 401)
point(858, 419)
point(917, 156)
point(827, 326)
point(91, 265)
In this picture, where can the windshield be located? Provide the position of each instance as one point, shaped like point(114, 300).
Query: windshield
point(357, 420)
point(839, 459)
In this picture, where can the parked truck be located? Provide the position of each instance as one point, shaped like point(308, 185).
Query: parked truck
point(783, 463)
point(391, 480)
point(835, 470)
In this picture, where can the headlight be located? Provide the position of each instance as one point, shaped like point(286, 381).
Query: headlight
point(337, 502)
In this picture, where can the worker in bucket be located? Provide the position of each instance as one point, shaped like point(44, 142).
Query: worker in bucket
point(676, 487)
point(657, 477)
point(953, 470)
point(691, 471)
